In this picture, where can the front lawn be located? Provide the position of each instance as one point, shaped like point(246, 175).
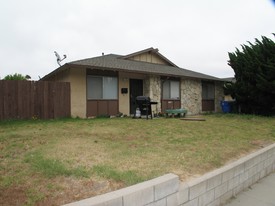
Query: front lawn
point(60, 161)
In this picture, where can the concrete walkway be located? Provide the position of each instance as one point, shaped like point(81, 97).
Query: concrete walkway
point(259, 194)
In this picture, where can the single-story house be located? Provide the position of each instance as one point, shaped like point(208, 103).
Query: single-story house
point(109, 84)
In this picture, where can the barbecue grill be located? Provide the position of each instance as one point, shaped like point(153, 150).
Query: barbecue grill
point(144, 104)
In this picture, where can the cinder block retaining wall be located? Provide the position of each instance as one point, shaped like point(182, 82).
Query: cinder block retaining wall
point(211, 189)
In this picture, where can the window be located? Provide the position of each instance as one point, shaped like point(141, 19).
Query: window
point(208, 90)
point(101, 87)
point(171, 89)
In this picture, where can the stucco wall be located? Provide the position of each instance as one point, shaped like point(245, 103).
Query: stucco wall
point(62, 76)
point(77, 79)
point(124, 82)
point(191, 91)
point(191, 97)
point(78, 92)
point(124, 99)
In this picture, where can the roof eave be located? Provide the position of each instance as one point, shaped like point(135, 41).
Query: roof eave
point(59, 69)
point(145, 72)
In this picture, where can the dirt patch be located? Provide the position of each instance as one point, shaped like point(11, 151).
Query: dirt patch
point(260, 143)
point(69, 190)
point(12, 196)
point(75, 190)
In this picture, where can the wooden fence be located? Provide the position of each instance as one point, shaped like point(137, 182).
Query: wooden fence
point(34, 99)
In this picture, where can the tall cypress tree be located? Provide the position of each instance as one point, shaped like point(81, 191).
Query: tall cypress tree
point(254, 67)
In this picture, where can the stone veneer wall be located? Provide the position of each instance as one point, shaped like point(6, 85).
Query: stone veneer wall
point(219, 96)
point(152, 88)
point(191, 95)
point(211, 189)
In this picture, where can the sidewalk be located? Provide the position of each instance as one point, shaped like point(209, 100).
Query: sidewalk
point(259, 194)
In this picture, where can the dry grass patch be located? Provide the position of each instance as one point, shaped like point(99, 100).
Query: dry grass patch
point(59, 161)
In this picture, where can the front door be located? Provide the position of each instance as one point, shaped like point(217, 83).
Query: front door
point(136, 89)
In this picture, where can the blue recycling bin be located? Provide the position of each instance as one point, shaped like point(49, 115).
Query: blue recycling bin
point(226, 106)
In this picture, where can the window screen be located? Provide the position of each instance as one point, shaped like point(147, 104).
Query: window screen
point(171, 89)
point(109, 88)
point(99, 87)
point(94, 87)
point(166, 90)
point(175, 90)
point(208, 90)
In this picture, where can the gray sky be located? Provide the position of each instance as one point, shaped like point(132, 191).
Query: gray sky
point(194, 34)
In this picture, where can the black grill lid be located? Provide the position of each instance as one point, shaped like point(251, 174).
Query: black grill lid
point(143, 98)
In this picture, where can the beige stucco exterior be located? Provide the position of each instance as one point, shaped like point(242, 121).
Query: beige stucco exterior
point(190, 88)
point(78, 92)
point(124, 103)
point(124, 82)
point(77, 79)
point(190, 91)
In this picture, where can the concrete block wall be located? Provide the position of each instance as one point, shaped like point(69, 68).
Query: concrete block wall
point(154, 192)
point(211, 189)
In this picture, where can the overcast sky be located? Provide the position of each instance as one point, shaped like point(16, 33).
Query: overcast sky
point(193, 34)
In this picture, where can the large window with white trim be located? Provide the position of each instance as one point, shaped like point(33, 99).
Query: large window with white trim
point(102, 87)
point(171, 89)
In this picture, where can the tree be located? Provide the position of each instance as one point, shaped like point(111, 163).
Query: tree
point(17, 77)
point(254, 67)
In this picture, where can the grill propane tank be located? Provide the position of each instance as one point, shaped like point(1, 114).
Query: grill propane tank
point(137, 112)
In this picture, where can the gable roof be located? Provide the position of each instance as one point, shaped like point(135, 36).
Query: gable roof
point(150, 50)
point(123, 63)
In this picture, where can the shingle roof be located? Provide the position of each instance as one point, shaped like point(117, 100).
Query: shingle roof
point(115, 62)
point(229, 79)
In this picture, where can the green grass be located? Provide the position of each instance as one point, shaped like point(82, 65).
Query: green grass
point(47, 162)
point(53, 167)
point(128, 177)
point(33, 196)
